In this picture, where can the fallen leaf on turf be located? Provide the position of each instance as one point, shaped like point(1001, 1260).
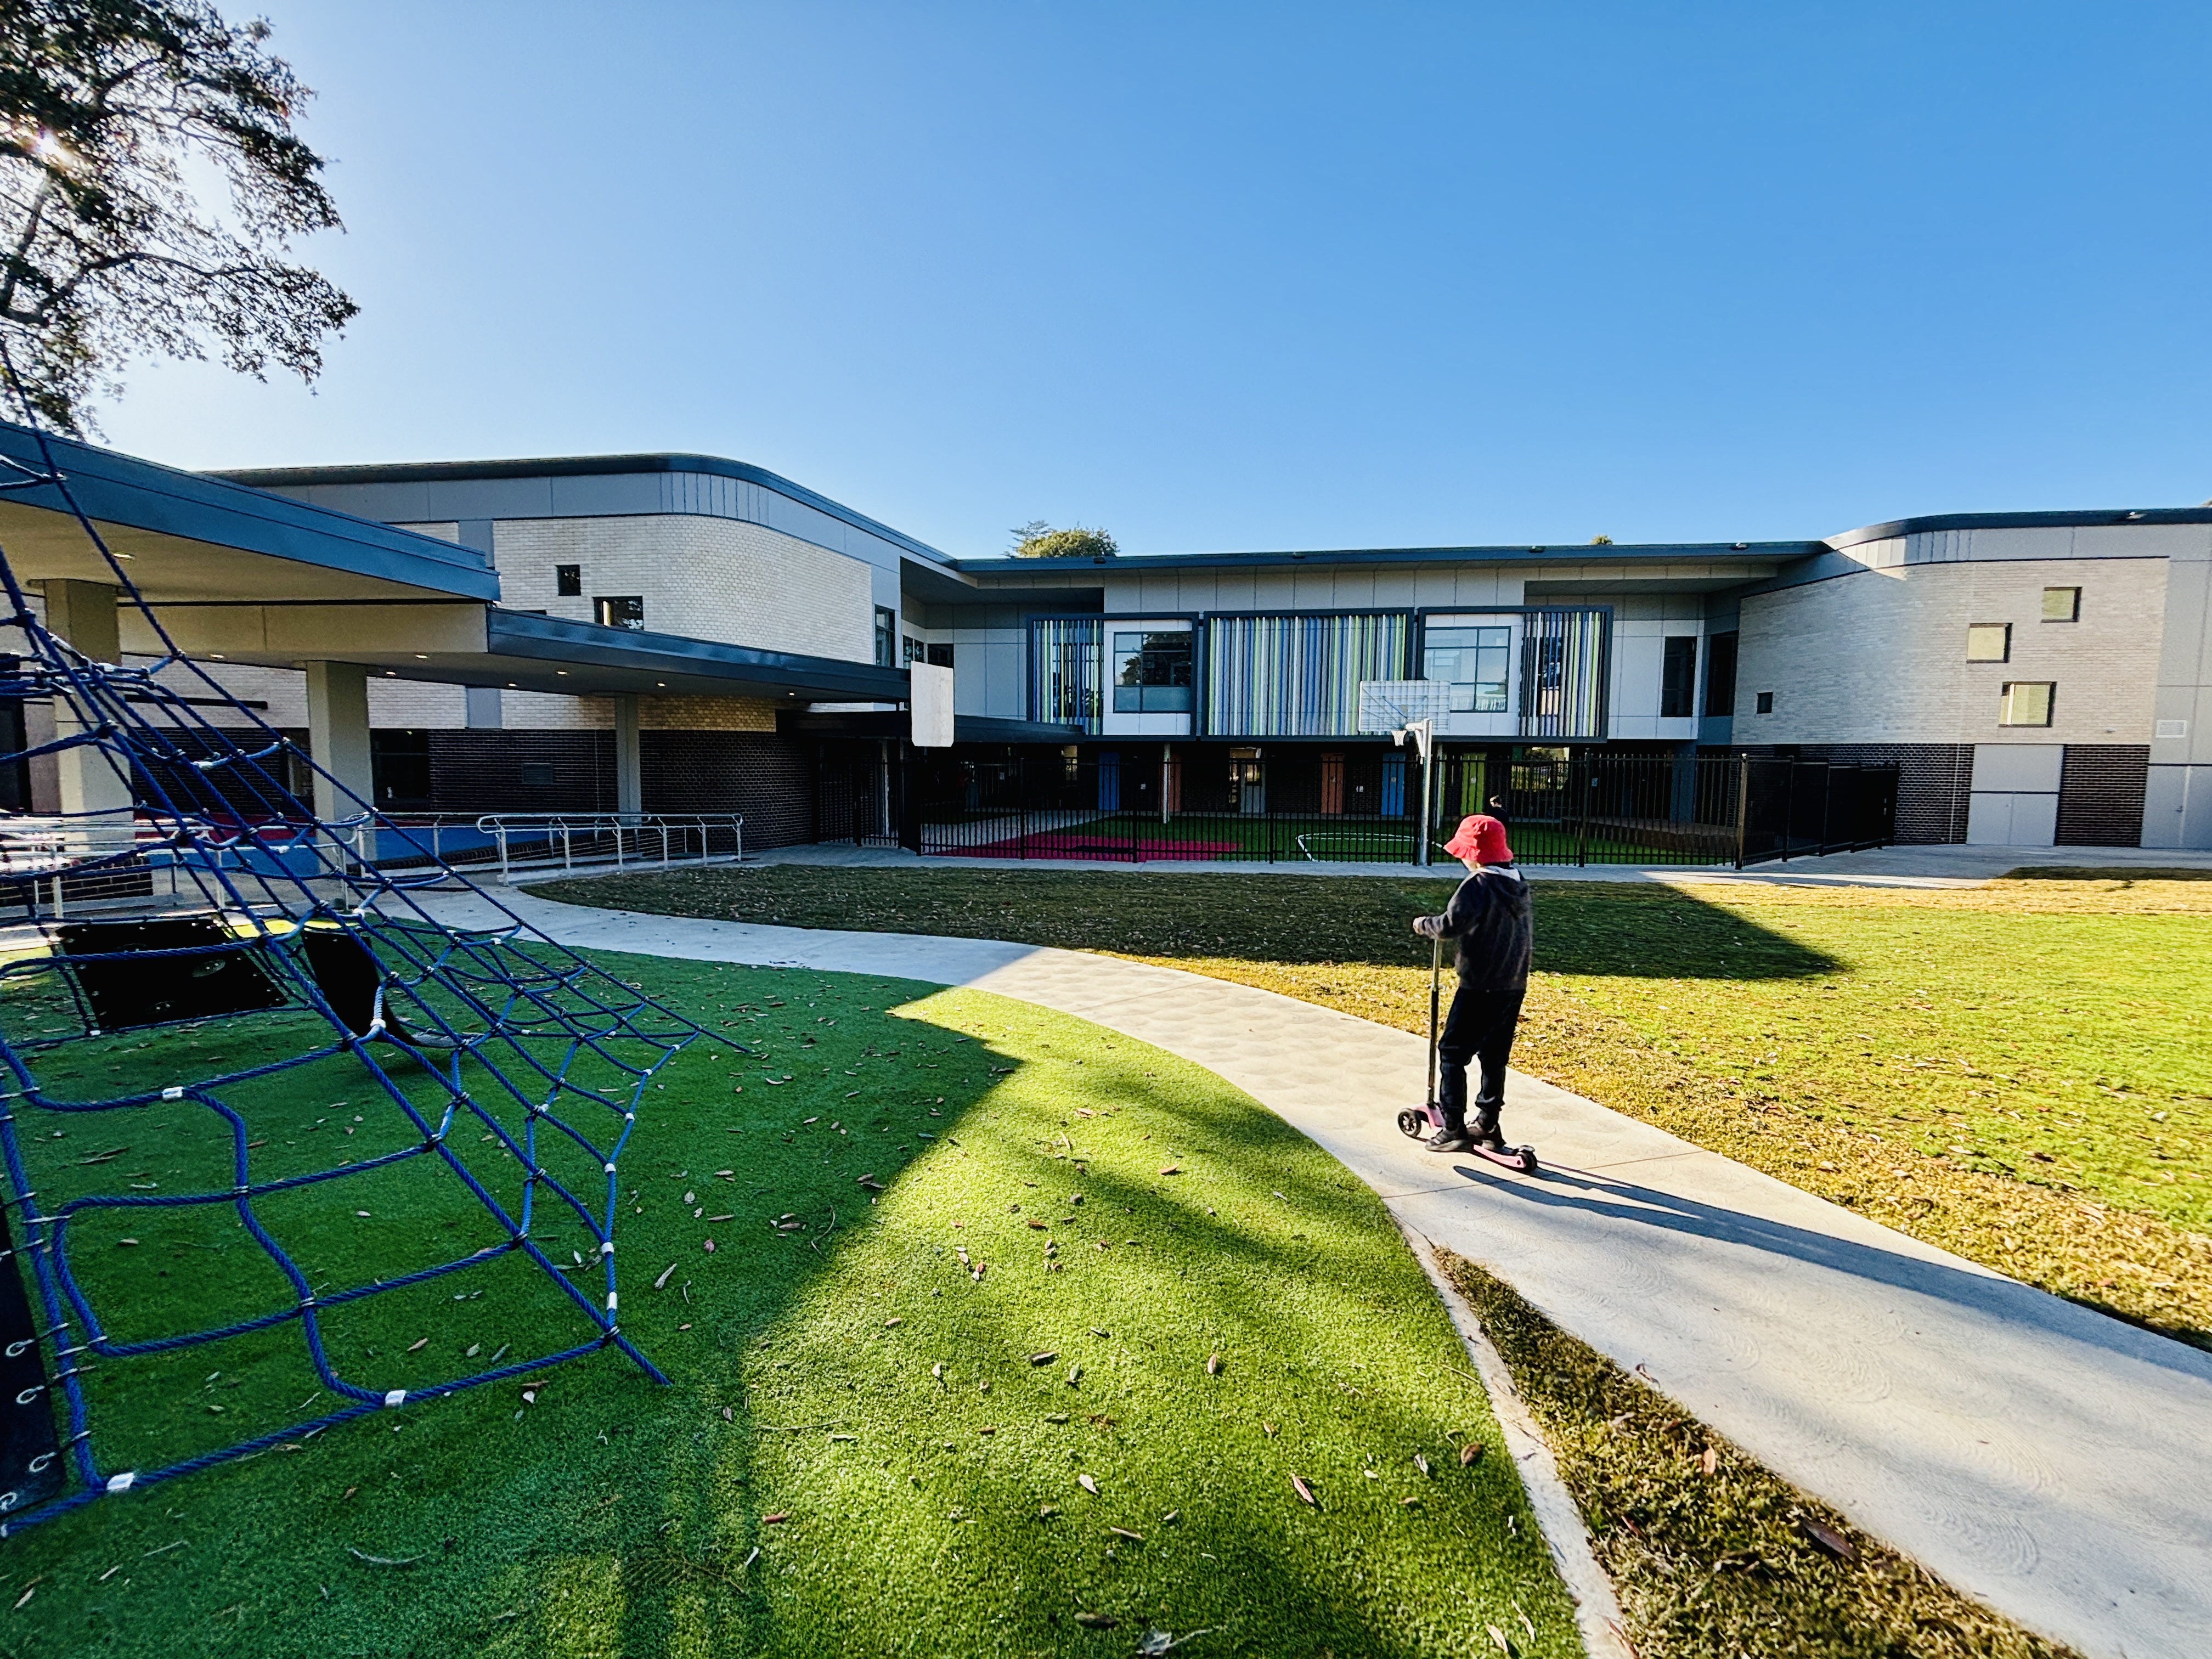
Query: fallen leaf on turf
point(661, 1283)
point(1709, 1461)
point(1087, 1484)
point(1828, 1539)
point(1213, 1364)
point(1097, 1620)
point(1411, 1503)
point(1047, 1511)
point(419, 1343)
point(1123, 1532)
point(1095, 1331)
point(893, 1323)
point(1044, 1359)
point(728, 1416)
point(1171, 1169)
point(773, 1520)
point(1075, 1375)
point(708, 1246)
point(1270, 1428)
point(1470, 1453)
point(1498, 1637)
point(1421, 1463)
point(1172, 1517)
point(1305, 1490)
point(1056, 1417)
point(989, 1431)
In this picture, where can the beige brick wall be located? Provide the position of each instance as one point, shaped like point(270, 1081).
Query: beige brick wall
point(713, 579)
point(1881, 656)
point(707, 714)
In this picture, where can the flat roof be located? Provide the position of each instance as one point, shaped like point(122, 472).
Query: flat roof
point(571, 466)
point(191, 536)
point(1579, 552)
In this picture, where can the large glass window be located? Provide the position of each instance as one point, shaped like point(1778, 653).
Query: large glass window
point(1720, 676)
point(1678, 673)
point(1473, 662)
point(886, 637)
point(620, 611)
point(1151, 673)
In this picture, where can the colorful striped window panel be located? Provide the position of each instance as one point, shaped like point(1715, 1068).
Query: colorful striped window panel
point(1299, 677)
point(1067, 670)
point(1565, 659)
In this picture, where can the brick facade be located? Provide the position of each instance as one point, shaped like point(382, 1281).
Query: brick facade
point(2100, 794)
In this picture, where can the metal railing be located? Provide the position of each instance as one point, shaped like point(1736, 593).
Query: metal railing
point(547, 843)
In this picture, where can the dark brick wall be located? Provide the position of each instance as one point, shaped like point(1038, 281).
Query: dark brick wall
point(1934, 781)
point(2100, 794)
point(485, 771)
point(767, 776)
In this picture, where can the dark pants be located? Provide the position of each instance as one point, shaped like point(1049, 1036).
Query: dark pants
point(1480, 1028)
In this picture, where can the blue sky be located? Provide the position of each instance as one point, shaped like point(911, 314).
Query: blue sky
point(1266, 276)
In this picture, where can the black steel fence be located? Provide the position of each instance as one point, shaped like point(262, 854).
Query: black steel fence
point(1362, 806)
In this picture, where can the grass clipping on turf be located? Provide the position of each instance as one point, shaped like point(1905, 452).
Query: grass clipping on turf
point(1712, 1554)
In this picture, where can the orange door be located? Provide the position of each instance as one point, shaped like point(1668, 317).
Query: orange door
point(1332, 785)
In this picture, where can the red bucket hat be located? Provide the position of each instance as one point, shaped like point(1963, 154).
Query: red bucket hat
point(1482, 836)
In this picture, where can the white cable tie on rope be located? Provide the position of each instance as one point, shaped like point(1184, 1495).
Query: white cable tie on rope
point(173, 1094)
point(610, 1169)
point(611, 1301)
point(606, 1247)
point(395, 1397)
point(121, 1482)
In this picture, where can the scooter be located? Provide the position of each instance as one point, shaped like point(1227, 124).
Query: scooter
point(1421, 1125)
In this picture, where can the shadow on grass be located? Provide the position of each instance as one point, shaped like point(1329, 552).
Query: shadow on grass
point(1635, 929)
point(601, 1513)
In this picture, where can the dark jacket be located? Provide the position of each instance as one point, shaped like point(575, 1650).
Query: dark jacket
point(1492, 921)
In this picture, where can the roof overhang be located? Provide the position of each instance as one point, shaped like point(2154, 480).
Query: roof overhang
point(183, 535)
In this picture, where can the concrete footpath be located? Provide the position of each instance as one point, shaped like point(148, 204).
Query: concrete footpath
point(2052, 1462)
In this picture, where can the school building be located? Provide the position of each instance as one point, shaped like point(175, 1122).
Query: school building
point(680, 633)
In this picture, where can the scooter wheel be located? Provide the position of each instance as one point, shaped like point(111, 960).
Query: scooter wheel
point(1411, 1123)
point(1529, 1164)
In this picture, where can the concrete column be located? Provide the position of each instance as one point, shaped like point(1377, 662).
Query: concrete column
point(629, 771)
point(338, 736)
point(90, 779)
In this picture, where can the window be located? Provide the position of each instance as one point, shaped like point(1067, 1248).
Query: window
point(537, 775)
point(2027, 702)
point(1472, 662)
point(1989, 642)
point(886, 638)
point(400, 763)
point(941, 655)
point(2061, 604)
point(910, 651)
point(1151, 673)
point(1766, 703)
point(1720, 676)
point(622, 610)
point(569, 580)
point(1678, 676)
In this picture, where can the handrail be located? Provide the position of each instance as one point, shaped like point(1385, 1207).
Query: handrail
point(619, 838)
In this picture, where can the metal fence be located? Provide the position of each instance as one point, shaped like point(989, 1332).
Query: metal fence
point(1305, 807)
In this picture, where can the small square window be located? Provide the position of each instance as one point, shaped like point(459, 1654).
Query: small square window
point(538, 773)
point(1766, 703)
point(623, 610)
point(569, 580)
point(941, 655)
point(2027, 702)
point(2061, 604)
point(1989, 642)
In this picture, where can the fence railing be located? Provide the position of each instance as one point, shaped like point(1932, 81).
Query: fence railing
point(535, 843)
point(1657, 809)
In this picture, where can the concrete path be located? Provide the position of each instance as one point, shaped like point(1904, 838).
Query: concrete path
point(1930, 867)
point(2052, 1462)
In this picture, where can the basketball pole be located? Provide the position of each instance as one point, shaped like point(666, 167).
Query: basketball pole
point(1424, 737)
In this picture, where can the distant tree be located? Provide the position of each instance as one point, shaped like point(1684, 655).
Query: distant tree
point(1026, 532)
point(1041, 541)
point(1600, 541)
point(113, 115)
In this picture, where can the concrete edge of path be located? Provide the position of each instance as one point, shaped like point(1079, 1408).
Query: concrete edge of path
point(1597, 1609)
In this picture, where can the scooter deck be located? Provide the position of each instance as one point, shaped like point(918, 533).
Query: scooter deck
point(1416, 1125)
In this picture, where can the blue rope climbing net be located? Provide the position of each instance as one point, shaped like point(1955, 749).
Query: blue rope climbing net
point(340, 1116)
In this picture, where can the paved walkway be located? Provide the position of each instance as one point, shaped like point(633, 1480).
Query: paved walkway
point(1934, 867)
point(2054, 1463)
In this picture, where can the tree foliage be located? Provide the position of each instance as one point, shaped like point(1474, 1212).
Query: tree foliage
point(1039, 540)
point(151, 186)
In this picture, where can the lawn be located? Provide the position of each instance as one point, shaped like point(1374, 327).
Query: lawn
point(1068, 1380)
point(2021, 1073)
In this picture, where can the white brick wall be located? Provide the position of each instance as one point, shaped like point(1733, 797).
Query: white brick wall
point(1881, 657)
point(711, 579)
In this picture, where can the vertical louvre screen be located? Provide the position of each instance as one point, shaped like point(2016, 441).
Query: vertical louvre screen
point(1067, 670)
point(1562, 674)
point(1299, 677)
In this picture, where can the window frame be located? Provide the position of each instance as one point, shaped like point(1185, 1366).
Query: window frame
point(2074, 611)
point(569, 581)
point(2004, 653)
point(1678, 672)
point(2049, 690)
point(1475, 695)
point(1762, 703)
point(603, 614)
point(886, 637)
point(1156, 648)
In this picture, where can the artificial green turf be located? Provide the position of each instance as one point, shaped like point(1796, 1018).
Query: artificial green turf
point(615, 1517)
